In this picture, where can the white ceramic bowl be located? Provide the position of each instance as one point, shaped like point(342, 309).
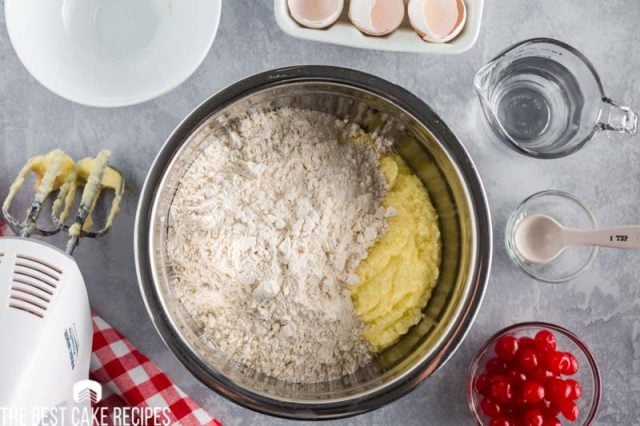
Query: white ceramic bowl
point(111, 53)
point(404, 39)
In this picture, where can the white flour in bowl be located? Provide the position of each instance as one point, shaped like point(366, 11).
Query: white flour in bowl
point(266, 230)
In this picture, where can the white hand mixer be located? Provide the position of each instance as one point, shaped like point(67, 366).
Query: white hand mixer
point(45, 319)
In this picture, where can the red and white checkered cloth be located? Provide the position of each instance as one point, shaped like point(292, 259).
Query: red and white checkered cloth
point(130, 379)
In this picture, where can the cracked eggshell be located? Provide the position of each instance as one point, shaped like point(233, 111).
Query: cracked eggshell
point(376, 17)
point(437, 21)
point(315, 13)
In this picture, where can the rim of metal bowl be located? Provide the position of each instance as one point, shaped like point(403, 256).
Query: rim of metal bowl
point(413, 106)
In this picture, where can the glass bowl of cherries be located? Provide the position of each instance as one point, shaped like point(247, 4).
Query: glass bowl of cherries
point(534, 374)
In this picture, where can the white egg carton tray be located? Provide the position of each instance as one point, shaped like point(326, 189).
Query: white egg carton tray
point(404, 39)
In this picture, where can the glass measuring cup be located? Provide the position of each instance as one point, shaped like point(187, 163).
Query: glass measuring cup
point(544, 99)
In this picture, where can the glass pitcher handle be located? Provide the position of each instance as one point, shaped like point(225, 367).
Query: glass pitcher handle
point(617, 118)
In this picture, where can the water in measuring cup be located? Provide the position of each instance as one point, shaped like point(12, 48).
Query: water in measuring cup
point(538, 102)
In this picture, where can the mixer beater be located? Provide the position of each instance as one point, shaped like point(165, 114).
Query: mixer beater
point(56, 171)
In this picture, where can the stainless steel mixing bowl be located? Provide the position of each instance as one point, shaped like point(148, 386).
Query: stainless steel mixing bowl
point(436, 156)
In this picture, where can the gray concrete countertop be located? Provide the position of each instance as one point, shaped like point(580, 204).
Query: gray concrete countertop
point(602, 306)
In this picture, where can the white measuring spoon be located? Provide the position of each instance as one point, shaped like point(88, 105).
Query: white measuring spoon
point(540, 238)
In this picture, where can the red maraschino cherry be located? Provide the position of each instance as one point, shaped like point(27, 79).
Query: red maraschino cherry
point(526, 384)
